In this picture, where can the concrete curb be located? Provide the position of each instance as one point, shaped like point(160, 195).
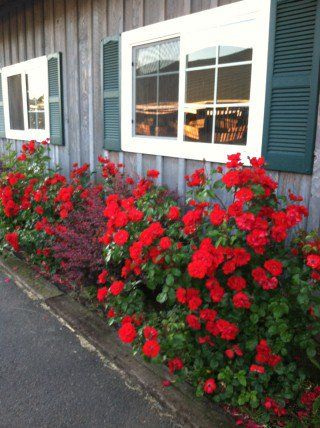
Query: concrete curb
point(178, 401)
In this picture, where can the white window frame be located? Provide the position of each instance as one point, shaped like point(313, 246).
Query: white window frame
point(24, 68)
point(215, 27)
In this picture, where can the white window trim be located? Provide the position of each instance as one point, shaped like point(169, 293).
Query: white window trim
point(23, 68)
point(255, 13)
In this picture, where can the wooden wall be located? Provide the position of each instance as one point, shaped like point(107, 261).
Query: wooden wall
point(32, 28)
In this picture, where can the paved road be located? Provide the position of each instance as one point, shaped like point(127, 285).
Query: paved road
point(48, 380)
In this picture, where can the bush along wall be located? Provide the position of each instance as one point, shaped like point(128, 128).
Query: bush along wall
point(216, 293)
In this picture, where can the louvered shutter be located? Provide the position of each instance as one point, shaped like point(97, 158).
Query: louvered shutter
point(2, 125)
point(111, 92)
point(292, 86)
point(55, 99)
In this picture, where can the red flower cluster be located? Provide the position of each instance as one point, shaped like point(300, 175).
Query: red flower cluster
point(265, 356)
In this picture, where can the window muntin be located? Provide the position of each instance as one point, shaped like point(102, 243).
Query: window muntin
point(15, 99)
point(156, 80)
point(217, 95)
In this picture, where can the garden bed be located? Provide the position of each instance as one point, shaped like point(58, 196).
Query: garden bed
point(219, 294)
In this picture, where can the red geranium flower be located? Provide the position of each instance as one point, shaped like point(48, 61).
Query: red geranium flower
point(13, 240)
point(217, 215)
point(102, 278)
point(210, 386)
point(273, 266)
point(153, 173)
point(236, 283)
point(150, 332)
point(241, 300)
point(121, 237)
point(175, 364)
point(193, 322)
point(151, 348)
point(116, 287)
point(102, 293)
point(127, 332)
point(173, 213)
point(257, 369)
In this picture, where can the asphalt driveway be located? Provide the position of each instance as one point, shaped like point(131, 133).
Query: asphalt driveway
point(47, 379)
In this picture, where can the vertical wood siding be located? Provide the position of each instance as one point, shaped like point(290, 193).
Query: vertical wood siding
point(75, 27)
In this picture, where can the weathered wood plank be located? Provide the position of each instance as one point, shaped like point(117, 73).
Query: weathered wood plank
point(174, 8)
point(199, 5)
point(38, 27)
point(314, 201)
point(99, 31)
point(21, 23)
point(84, 34)
point(2, 58)
point(133, 14)
point(48, 23)
point(29, 30)
point(14, 37)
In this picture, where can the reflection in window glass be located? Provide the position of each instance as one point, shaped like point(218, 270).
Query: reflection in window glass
point(202, 58)
point(231, 125)
point(35, 99)
point(15, 102)
point(217, 95)
point(234, 84)
point(156, 89)
point(234, 54)
point(200, 86)
point(198, 124)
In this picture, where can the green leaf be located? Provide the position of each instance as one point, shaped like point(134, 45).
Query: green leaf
point(316, 405)
point(162, 297)
point(170, 280)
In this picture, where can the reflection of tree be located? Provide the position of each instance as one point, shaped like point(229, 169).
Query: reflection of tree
point(36, 103)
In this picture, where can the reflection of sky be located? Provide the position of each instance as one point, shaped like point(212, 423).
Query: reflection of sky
point(206, 53)
point(35, 84)
point(148, 58)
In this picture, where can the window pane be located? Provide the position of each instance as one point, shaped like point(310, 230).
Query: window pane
point(200, 86)
point(234, 54)
point(35, 99)
point(234, 84)
point(202, 58)
point(168, 105)
point(231, 125)
point(169, 56)
point(156, 89)
point(15, 102)
point(146, 106)
point(198, 124)
point(147, 60)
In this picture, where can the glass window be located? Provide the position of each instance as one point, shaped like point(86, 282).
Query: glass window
point(218, 95)
point(15, 102)
point(156, 89)
point(35, 99)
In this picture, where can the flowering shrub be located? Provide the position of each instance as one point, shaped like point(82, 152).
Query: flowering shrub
point(233, 301)
point(216, 293)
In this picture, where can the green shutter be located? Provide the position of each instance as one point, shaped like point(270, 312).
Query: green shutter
point(292, 85)
point(55, 99)
point(110, 56)
point(2, 125)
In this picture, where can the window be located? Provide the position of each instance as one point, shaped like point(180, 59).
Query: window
point(194, 87)
point(25, 99)
point(156, 89)
point(218, 81)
